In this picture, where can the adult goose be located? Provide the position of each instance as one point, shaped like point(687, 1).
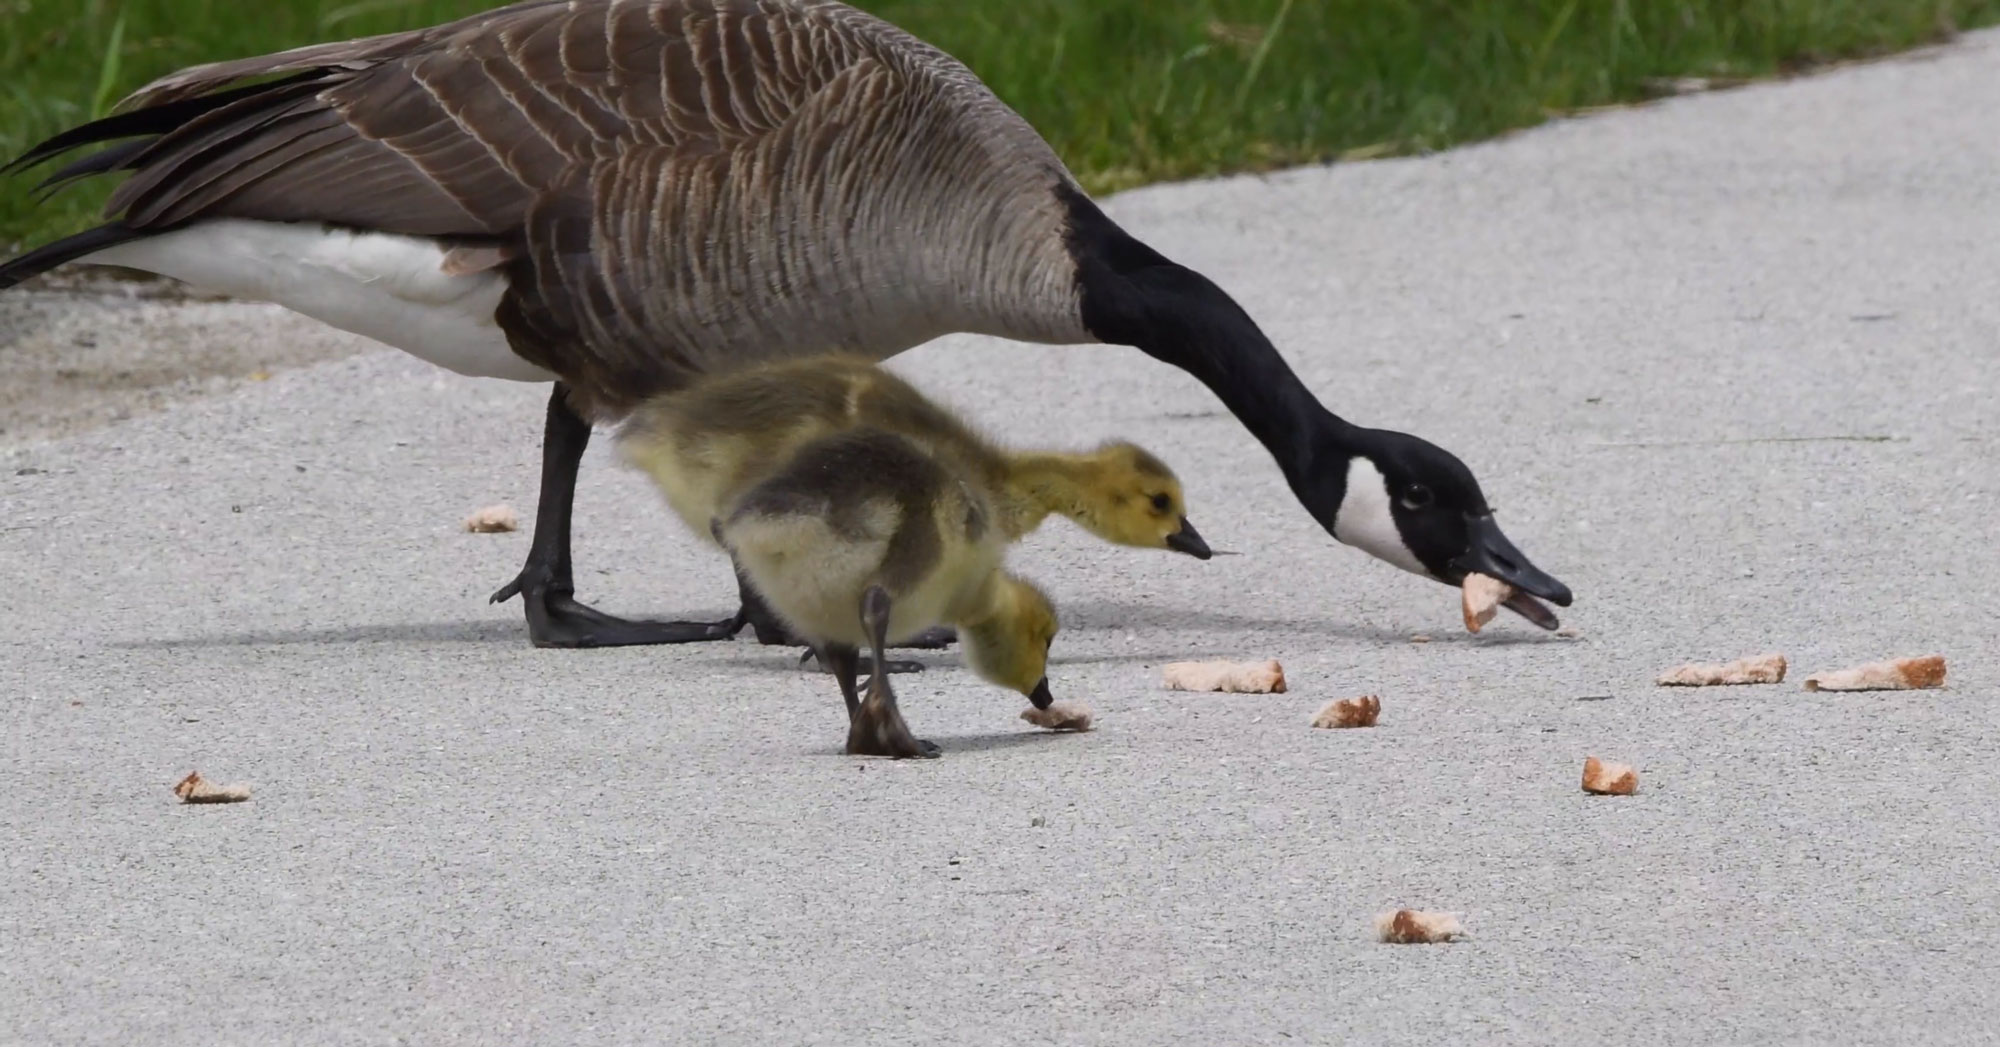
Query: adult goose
point(617, 195)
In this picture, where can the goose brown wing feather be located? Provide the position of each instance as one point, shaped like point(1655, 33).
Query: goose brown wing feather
point(459, 128)
point(680, 183)
point(630, 271)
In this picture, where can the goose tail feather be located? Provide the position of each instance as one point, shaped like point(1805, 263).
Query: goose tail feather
point(68, 249)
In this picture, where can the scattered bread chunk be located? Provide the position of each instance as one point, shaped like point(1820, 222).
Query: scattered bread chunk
point(1901, 674)
point(1609, 779)
point(494, 519)
point(196, 789)
point(1061, 716)
point(1481, 596)
point(1240, 677)
point(1350, 712)
point(1411, 927)
point(1757, 668)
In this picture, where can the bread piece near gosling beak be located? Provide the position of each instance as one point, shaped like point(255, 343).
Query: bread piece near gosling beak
point(1061, 716)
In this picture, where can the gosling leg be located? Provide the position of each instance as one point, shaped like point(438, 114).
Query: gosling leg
point(877, 728)
point(772, 631)
point(843, 662)
point(546, 584)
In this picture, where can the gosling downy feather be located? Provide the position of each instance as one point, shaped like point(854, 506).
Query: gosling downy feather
point(706, 443)
point(620, 195)
point(863, 537)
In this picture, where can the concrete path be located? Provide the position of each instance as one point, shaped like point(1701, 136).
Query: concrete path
point(1726, 365)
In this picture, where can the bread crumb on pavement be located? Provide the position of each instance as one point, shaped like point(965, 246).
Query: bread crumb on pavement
point(1415, 927)
point(1061, 716)
point(1349, 712)
point(196, 789)
point(1901, 674)
point(1266, 677)
point(1757, 668)
point(1609, 779)
point(494, 519)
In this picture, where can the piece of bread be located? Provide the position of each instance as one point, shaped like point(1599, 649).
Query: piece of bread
point(1413, 927)
point(1901, 674)
point(1481, 597)
point(196, 789)
point(1349, 712)
point(1240, 677)
point(1061, 716)
point(1609, 779)
point(494, 519)
point(1757, 668)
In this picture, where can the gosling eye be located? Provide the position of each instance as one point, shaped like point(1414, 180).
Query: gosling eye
point(1162, 503)
point(1417, 496)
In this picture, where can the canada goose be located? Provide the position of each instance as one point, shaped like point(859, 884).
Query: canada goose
point(862, 537)
point(705, 444)
point(620, 195)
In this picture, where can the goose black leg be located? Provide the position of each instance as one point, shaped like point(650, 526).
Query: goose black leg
point(546, 585)
point(877, 727)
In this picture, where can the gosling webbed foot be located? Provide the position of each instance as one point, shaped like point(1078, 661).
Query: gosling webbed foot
point(556, 619)
point(877, 729)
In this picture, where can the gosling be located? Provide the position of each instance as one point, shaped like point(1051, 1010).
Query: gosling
point(865, 537)
point(705, 444)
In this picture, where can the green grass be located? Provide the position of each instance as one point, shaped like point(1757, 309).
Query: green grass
point(1129, 91)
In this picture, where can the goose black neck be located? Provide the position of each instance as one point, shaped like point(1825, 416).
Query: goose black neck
point(1133, 295)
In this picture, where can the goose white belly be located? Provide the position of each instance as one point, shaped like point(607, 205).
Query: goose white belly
point(391, 288)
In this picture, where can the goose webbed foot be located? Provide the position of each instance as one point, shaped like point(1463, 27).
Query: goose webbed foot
point(556, 619)
point(866, 662)
point(936, 638)
point(546, 584)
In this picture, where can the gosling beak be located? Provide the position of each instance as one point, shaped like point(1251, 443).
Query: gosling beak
point(1040, 697)
point(1493, 555)
point(1188, 540)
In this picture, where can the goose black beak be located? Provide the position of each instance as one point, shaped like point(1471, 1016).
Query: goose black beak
point(1188, 540)
point(1040, 698)
point(1493, 555)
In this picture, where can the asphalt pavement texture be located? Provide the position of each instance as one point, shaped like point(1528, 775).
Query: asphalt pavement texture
point(1725, 365)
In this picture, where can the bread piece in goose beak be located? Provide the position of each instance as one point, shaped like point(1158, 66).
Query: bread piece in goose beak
point(1491, 554)
point(1413, 504)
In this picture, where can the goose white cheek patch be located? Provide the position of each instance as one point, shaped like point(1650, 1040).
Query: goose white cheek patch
point(1365, 520)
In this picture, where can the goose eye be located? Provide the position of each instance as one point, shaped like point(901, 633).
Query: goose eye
point(1162, 503)
point(1417, 496)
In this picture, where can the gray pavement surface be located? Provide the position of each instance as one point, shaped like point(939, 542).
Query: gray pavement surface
point(1726, 365)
